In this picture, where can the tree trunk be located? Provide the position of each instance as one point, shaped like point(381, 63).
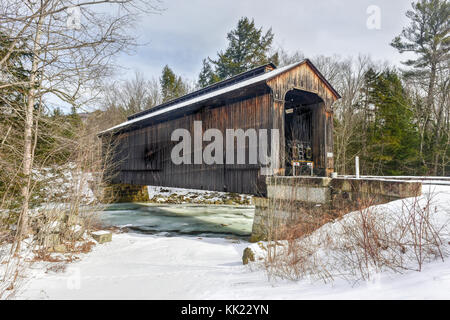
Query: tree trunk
point(27, 165)
point(430, 109)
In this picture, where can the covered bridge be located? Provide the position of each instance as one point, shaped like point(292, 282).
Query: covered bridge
point(295, 99)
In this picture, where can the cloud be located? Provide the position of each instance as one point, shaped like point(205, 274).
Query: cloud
point(188, 31)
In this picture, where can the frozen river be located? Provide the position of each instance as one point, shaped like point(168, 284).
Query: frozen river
point(181, 219)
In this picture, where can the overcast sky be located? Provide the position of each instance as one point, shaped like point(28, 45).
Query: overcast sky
point(189, 30)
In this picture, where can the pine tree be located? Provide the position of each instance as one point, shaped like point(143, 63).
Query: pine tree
point(171, 86)
point(392, 143)
point(12, 74)
point(207, 75)
point(427, 36)
point(247, 48)
point(12, 94)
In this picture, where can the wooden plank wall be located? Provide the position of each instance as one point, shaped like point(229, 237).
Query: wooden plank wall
point(253, 112)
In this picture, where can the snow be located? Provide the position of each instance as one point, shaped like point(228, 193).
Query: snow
point(138, 266)
point(76, 228)
point(100, 232)
point(160, 194)
point(61, 183)
point(333, 252)
point(155, 191)
point(421, 178)
point(53, 225)
point(260, 78)
point(153, 267)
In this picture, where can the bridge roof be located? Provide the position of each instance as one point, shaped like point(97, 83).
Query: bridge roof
point(249, 78)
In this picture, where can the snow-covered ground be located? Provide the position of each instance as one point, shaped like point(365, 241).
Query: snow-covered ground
point(138, 266)
point(58, 184)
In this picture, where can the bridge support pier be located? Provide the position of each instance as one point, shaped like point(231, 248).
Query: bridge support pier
point(121, 192)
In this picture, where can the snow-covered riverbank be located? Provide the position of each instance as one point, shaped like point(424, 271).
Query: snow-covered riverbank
point(137, 266)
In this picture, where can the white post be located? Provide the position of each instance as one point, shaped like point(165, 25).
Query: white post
point(357, 167)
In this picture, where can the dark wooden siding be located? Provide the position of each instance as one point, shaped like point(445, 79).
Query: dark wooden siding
point(251, 112)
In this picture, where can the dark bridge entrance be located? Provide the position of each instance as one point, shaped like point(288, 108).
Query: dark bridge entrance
point(301, 109)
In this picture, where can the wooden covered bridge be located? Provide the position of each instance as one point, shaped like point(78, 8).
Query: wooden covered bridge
point(296, 99)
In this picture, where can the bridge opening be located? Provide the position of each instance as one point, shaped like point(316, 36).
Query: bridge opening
point(301, 107)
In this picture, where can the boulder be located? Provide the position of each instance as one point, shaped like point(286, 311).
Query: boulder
point(248, 256)
point(51, 240)
point(74, 233)
point(102, 236)
point(60, 248)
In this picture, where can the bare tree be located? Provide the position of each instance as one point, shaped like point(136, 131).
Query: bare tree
point(127, 97)
point(347, 76)
point(285, 57)
point(71, 45)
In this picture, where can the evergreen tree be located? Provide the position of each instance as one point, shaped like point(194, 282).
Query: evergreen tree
point(171, 86)
point(12, 95)
point(247, 48)
point(207, 75)
point(427, 37)
point(392, 141)
point(11, 75)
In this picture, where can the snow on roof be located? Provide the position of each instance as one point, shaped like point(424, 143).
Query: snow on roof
point(257, 79)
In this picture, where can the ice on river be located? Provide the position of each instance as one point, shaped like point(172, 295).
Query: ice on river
point(186, 219)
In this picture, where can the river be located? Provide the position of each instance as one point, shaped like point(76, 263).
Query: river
point(181, 219)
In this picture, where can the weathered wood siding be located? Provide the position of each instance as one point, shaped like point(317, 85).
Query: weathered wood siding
point(251, 112)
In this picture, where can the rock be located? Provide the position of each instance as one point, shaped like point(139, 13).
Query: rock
point(60, 248)
point(256, 237)
point(248, 256)
point(72, 220)
point(74, 233)
point(102, 236)
point(51, 240)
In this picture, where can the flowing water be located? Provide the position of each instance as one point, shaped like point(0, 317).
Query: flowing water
point(185, 219)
